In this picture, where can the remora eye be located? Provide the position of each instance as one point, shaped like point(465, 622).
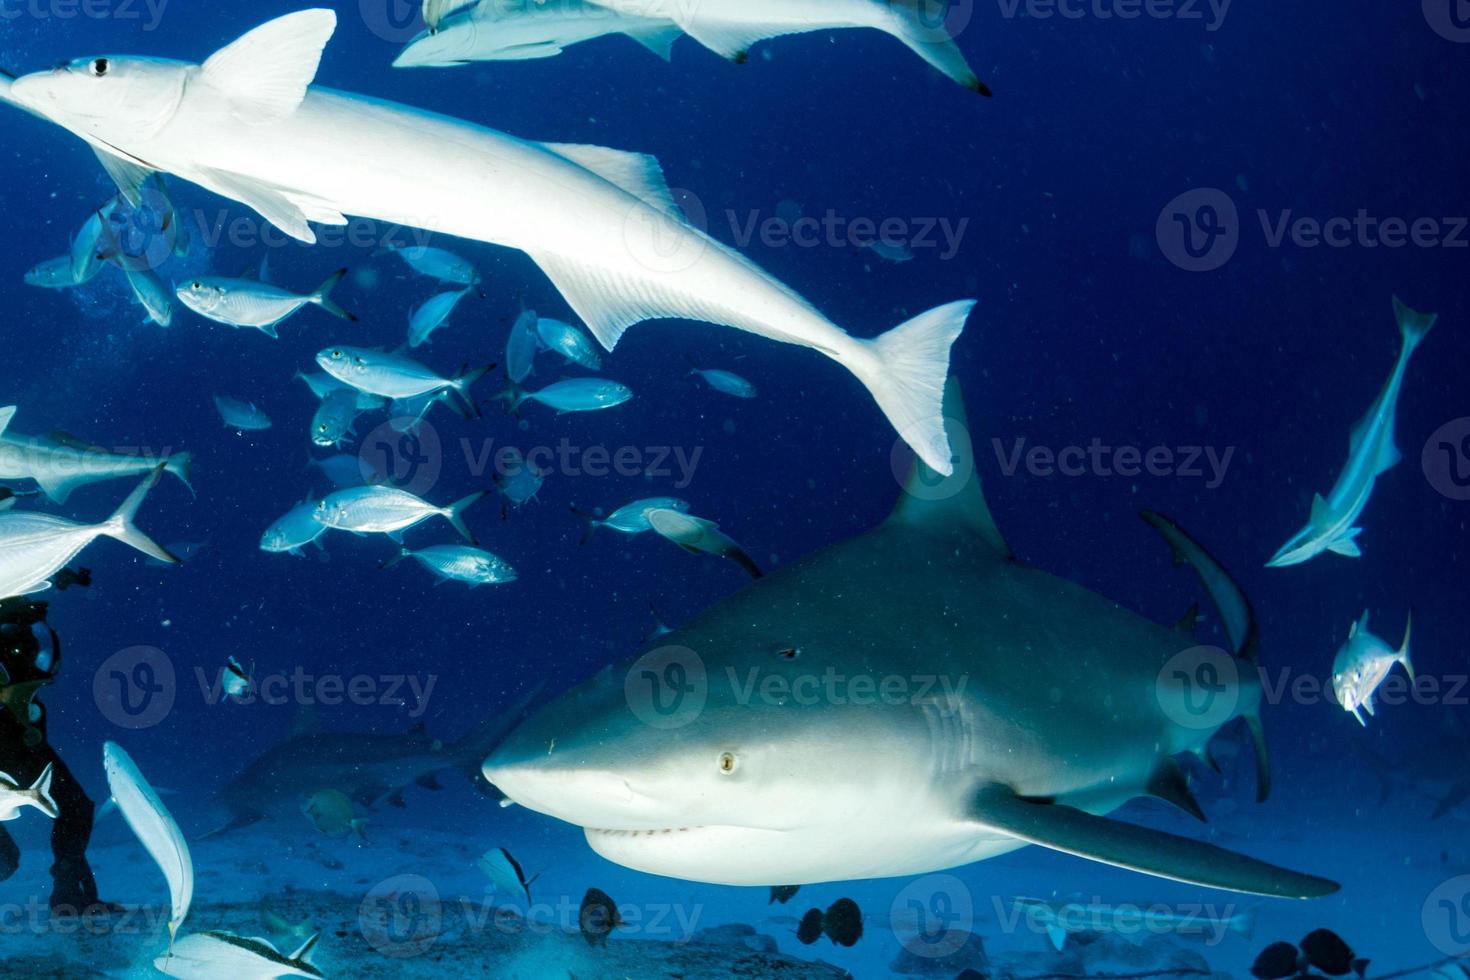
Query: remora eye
point(98, 67)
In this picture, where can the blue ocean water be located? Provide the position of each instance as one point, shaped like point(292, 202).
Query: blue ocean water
point(1057, 204)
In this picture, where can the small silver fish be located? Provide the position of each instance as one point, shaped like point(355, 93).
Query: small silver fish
point(517, 480)
point(295, 529)
point(332, 423)
point(521, 346)
point(1363, 663)
point(388, 510)
point(569, 342)
point(432, 315)
point(573, 395)
point(393, 375)
point(323, 384)
point(632, 518)
point(241, 415)
point(235, 680)
point(252, 303)
point(51, 274)
point(458, 563)
point(726, 382)
point(436, 263)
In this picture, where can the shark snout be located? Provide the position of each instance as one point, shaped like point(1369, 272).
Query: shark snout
point(585, 797)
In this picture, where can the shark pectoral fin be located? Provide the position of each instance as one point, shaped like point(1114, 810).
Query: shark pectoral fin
point(1225, 595)
point(1057, 935)
point(1168, 783)
point(266, 71)
point(1346, 546)
point(287, 211)
point(1072, 831)
point(128, 173)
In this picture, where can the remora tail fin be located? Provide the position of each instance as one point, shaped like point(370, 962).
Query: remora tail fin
point(121, 527)
point(907, 378)
point(1414, 326)
point(1072, 831)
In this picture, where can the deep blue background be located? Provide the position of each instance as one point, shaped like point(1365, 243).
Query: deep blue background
point(1084, 329)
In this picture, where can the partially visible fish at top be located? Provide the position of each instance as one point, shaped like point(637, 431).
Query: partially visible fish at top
point(569, 342)
point(241, 415)
point(572, 395)
point(436, 263)
point(726, 382)
point(252, 303)
point(433, 314)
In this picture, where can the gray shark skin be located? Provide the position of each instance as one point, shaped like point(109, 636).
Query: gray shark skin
point(1025, 708)
point(369, 768)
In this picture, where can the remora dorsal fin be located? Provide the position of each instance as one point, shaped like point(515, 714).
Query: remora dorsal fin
point(266, 71)
point(1072, 831)
point(955, 502)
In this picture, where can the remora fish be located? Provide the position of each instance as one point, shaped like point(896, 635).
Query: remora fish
point(1363, 663)
point(729, 28)
point(699, 536)
point(601, 223)
point(215, 954)
point(34, 547)
point(255, 304)
point(520, 30)
point(1371, 452)
point(812, 790)
point(368, 768)
point(59, 463)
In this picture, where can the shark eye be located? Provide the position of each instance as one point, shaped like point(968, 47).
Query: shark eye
point(728, 762)
point(98, 67)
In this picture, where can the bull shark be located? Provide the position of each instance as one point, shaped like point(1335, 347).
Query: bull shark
point(506, 30)
point(368, 768)
point(603, 224)
point(1371, 453)
point(976, 705)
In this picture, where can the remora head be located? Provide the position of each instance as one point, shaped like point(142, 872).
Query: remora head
point(680, 763)
point(452, 45)
point(107, 99)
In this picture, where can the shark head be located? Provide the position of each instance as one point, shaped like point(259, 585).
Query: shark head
point(107, 99)
point(450, 46)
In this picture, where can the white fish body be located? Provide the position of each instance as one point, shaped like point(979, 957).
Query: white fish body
point(1363, 663)
point(155, 828)
point(14, 797)
point(34, 547)
point(332, 423)
point(386, 510)
point(60, 463)
point(218, 955)
point(459, 563)
point(437, 263)
point(699, 536)
point(294, 530)
point(51, 274)
point(521, 30)
point(1371, 452)
point(241, 415)
point(433, 314)
point(727, 382)
point(505, 873)
point(601, 223)
point(252, 303)
point(569, 342)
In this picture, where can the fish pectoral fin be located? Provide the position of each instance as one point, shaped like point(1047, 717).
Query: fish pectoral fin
point(127, 172)
point(266, 71)
point(1346, 546)
point(1072, 831)
point(287, 211)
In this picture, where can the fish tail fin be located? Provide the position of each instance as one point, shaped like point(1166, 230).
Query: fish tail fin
point(402, 554)
point(465, 380)
point(907, 380)
point(455, 514)
point(1412, 324)
point(121, 527)
point(40, 792)
point(323, 296)
point(593, 524)
point(1404, 648)
point(178, 465)
point(920, 25)
point(1244, 924)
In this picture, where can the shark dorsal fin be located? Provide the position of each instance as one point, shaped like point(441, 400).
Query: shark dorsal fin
point(955, 503)
point(266, 71)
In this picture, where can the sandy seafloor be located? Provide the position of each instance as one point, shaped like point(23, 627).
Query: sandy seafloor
point(409, 902)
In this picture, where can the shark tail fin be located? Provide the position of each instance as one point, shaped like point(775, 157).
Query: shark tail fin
point(1404, 648)
point(921, 26)
point(1412, 324)
point(120, 525)
point(908, 375)
point(470, 752)
point(323, 296)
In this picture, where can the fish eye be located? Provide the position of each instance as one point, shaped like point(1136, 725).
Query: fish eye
point(789, 653)
point(98, 67)
point(728, 763)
